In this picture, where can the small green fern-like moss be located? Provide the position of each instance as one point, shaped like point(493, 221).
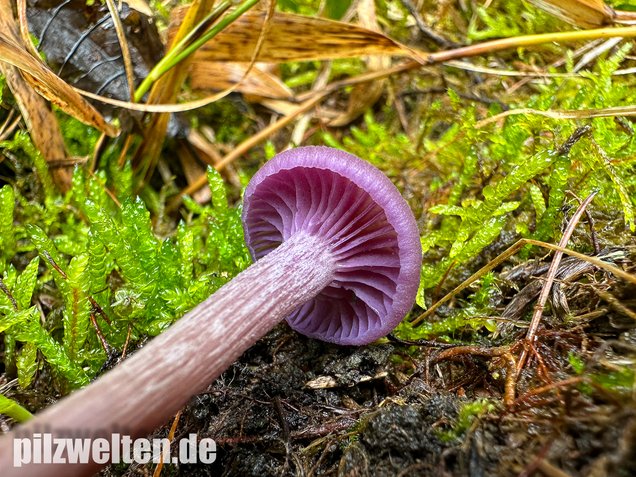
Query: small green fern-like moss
point(105, 261)
point(14, 410)
point(7, 236)
point(22, 142)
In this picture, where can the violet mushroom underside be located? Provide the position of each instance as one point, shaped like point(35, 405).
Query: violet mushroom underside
point(361, 215)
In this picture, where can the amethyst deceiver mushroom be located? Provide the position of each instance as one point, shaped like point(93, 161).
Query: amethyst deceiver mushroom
point(354, 211)
point(337, 254)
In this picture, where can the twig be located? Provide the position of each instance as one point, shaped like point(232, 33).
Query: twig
point(547, 286)
point(123, 351)
point(590, 223)
point(499, 352)
point(8, 126)
point(123, 45)
point(547, 388)
point(511, 251)
point(99, 334)
point(528, 40)
point(171, 433)
point(424, 28)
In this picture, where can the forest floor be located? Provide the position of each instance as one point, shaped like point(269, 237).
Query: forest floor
point(107, 245)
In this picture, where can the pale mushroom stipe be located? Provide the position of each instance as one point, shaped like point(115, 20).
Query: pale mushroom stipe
point(337, 254)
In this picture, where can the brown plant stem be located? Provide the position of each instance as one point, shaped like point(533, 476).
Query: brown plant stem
point(144, 391)
point(547, 286)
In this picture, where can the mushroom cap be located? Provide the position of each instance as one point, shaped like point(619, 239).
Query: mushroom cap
point(365, 221)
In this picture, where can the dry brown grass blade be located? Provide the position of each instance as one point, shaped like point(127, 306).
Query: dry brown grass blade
point(563, 114)
point(42, 125)
point(586, 13)
point(547, 285)
point(123, 45)
point(297, 38)
point(49, 85)
point(444, 56)
point(36, 113)
point(309, 101)
point(165, 90)
point(365, 95)
point(217, 76)
point(248, 144)
point(157, 108)
point(503, 256)
point(23, 23)
point(177, 75)
point(583, 13)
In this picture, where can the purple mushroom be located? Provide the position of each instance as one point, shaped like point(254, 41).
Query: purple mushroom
point(356, 213)
point(337, 254)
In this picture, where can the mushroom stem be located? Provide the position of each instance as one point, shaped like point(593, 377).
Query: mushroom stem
point(143, 392)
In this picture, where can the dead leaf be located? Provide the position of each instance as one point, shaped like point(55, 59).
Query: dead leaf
point(583, 13)
point(41, 124)
point(292, 37)
point(364, 96)
point(36, 113)
point(322, 382)
point(165, 90)
point(49, 85)
point(93, 50)
point(217, 76)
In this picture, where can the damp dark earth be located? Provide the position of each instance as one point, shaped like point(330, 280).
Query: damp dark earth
point(294, 406)
point(450, 186)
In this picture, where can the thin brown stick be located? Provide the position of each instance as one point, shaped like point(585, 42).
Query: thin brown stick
point(593, 260)
point(590, 223)
point(547, 388)
point(99, 333)
point(24, 28)
point(511, 251)
point(499, 351)
point(127, 342)
point(247, 145)
point(171, 433)
point(612, 111)
point(529, 40)
point(9, 125)
point(547, 286)
point(123, 45)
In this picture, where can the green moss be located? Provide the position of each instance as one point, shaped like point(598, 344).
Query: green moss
point(513, 177)
point(618, 379)
point(507, 19)
point(12, 409)
point(97, 252)
point(79, 138)
point(465, 418)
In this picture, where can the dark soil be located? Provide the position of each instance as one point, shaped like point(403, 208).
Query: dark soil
point(295, 406)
